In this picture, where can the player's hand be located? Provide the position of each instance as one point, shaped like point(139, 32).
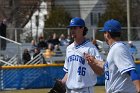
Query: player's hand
point(90, 59)
point(137, 84)
point(62, 81)
point(138, 87)
point(96, 65)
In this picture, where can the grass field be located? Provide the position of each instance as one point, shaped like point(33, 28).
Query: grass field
point(98, 89)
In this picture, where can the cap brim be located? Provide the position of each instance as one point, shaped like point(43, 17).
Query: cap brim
point(70, 26)
point(102, 30)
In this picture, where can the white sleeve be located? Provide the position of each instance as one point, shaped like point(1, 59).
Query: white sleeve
point(123, 60)
point(65, 68)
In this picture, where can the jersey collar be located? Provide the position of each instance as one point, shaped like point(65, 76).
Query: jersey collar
point(113, 44)
point(116, 43)
point(83, 43)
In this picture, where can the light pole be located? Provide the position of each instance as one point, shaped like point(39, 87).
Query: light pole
point(37, 24)
point(128, 21)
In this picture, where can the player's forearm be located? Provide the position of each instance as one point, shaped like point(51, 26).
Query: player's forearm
point(137, 84)
point(65, 78)
point(99, 63)
point(97, 67)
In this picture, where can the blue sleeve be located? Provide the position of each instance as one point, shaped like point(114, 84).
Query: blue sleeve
point(134, 75)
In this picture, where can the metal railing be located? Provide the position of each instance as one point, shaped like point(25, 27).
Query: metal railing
point(101, 46)
point(38, 59)
point(12, 61)
point(6, 62)
point(10, 40)
point(11, 54)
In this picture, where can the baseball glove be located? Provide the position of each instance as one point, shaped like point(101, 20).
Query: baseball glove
point(58, 87)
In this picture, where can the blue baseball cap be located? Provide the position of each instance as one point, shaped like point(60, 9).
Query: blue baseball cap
point(76, 22)
point(111, 26)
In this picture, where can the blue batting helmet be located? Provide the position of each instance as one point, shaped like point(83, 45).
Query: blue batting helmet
point(77, 22)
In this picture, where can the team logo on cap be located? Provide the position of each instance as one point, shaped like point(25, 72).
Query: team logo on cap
point(72, 21)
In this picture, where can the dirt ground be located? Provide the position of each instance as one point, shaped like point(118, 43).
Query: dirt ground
point(98, 89)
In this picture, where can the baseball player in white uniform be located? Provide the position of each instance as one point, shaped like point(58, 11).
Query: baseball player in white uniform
point(119, 68)
point(79, 77)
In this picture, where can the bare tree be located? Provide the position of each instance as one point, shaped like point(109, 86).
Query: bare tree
point(17, 12)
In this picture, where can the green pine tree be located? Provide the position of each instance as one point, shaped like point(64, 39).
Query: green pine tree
point(58, 18)
point(115, 9)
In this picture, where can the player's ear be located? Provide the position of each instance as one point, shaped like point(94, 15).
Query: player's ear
point(81, 27)
point(108, 35)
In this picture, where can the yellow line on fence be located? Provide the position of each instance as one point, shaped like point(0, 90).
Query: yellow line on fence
point(39, 65)
point(137, 62)
point(31, 66)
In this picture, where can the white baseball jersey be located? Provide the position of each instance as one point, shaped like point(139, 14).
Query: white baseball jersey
point(118, 62)
point(80, 74)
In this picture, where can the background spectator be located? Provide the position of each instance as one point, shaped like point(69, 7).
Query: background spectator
point(57, 51)
point(69, 39)
point(132, 49)
point(26, 56)
point(55, 40)
point(49, 40)
point(3, 33)
point(33, 46)
point(63, 40)
point(95, 43)
point(36, 52)
point(49, 51)
point(41, 44)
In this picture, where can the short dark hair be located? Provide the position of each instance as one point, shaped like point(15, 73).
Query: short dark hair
point(115, 34)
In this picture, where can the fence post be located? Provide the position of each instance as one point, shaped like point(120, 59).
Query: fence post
point(15, 34)
point(1, 79)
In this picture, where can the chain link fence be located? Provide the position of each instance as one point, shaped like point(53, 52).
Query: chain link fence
point(26, 35)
